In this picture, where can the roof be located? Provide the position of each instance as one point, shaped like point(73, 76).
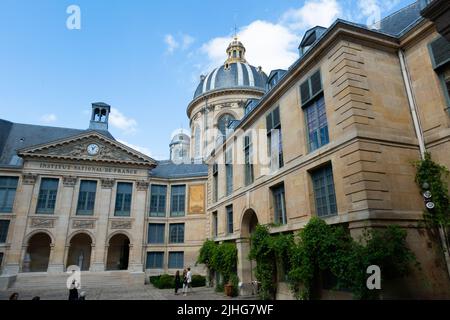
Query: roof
point(394, 26)
point(169, 170)
point(396, 23)
point(237, 75)
point(15, 136)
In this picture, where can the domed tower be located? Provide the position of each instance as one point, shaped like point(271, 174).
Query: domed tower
point(220, 99)
point(179, 147)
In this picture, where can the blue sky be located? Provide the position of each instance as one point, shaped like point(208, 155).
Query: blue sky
point(144, 58)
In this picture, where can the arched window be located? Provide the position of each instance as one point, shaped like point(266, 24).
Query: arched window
point(197, 137)
point(223, 123)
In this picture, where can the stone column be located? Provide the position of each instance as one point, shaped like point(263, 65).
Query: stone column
point(18, 225)
point(244, 266)
point(99, 252)
point(61, 227)
point(138, 214)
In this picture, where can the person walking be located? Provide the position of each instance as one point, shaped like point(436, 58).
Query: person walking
point(14, 296)
point(177, 282)
point(184, 282)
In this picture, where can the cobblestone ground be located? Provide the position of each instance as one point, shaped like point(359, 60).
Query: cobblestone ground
point(144, 292)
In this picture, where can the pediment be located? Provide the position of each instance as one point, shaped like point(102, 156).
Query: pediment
point(76, 148)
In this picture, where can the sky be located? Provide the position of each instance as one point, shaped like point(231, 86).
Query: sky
point(144, 58)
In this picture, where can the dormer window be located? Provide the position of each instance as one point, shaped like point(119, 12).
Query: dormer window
point(310, 38)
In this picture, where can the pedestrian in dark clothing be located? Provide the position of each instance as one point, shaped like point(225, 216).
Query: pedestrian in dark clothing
point(177, 281)
point(73, 292)
point(14, 296)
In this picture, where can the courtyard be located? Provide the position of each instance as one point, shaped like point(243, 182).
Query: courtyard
point(135, 292)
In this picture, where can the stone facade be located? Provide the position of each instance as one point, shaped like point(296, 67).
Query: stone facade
point(372, 144)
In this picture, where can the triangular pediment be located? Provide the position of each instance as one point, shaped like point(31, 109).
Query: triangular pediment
point(88, 146)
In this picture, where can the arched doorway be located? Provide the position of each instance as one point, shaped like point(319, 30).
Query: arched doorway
point(37, 255)
point(80, 251)
point(118, 252)
point(245, 265)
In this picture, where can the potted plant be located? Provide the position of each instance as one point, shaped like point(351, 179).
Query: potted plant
point(229, 289)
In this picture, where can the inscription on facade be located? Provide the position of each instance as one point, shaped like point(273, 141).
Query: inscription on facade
point(82, 168)
point(41, 223)
point(83, 224)
point(120, 224)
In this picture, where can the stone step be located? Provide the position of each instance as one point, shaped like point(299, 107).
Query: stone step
point(88, 280)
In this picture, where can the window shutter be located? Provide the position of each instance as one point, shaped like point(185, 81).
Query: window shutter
point(269, 122)
point(304, 92)
point(316, 83)
point(276, 117)
point(440, 52)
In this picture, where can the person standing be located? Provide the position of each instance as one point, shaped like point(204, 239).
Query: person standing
point(188, 280)
point(184, 281)
point(177, 282)
point(73, 291)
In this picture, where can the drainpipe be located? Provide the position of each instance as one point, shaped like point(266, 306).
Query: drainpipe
point(412, 104)
point(419, 134)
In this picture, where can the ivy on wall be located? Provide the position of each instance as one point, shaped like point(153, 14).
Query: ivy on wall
point(320, 248)
point(221, 258)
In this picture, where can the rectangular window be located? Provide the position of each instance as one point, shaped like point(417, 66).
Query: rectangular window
point(229, 170)
point(176, 233)
point(47, 196)
point(279, 204)
point(156, 233)
point(123, 199)
point(215, 224)
point(158, 201)
point(274, 139)
point(215, 182)
point(178, 201)
point(8, 186)
point(176, 260)
point(4, 226)
point(317, 125)
point(440, 58)
point(324, 191)
point(229, 210)
point(155, 260)
point(311, 88)
point(86, 198)
point(248, 155)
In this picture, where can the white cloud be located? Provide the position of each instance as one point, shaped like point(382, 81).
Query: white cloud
point(187, 41)
point(274, 45)
point(118, 120)
point(141, 149)
point(313, 13)
point(183, 41)
point(49, 118)
point(171, 43)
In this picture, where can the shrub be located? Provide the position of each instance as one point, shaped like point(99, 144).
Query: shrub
point(164, 281)
point(198, 281)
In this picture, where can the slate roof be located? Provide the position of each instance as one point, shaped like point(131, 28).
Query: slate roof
point(15, 136)
point(396, 23)
point(169, 170)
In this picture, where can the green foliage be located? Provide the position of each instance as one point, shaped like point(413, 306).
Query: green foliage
point(266, 250)
point(198, 281)
point(234, 281)
point(320, 248)
point(221, 258)
point(166, 281)
point(436, 176)
point(331, 248)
